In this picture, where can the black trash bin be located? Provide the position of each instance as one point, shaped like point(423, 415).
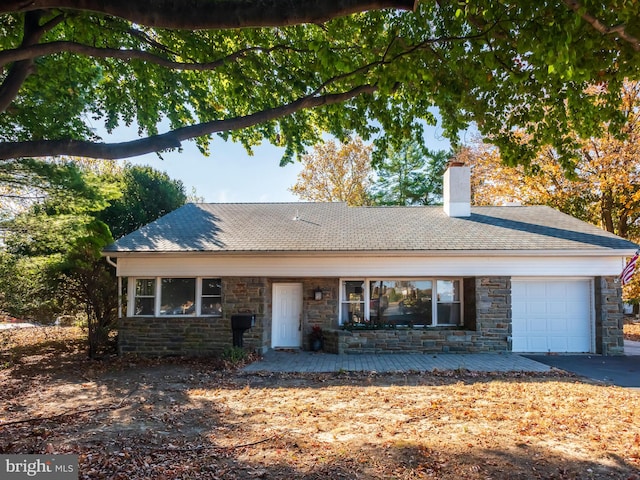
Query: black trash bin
point(239, 323)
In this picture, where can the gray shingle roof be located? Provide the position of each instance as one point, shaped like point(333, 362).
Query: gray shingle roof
point(335, 227)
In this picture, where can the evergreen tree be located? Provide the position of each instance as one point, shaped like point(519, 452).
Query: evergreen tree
point(147, 194)
point(410, 175)
point(51, 262)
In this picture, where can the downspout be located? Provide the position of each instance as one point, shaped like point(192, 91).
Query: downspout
point(115, 265)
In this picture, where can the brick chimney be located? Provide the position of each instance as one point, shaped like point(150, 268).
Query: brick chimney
point(456, 190)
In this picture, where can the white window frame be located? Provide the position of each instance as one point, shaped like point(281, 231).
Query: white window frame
point(343, 301)
point(453, 302)
point(434, 303)
point(131, 294)
point(132, 286)
point(200, 296)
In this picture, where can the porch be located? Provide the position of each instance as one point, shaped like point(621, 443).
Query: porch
point(301, 361)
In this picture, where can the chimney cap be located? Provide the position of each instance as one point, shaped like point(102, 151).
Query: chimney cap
point(455, 163)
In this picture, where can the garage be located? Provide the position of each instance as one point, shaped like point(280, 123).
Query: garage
point(551, 315)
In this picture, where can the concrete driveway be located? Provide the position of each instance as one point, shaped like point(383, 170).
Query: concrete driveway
point(623, 371)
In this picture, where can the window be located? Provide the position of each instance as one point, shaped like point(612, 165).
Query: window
point(449, 302)
point(352, 309)
point(211, 297)
point(402, 303)
point(145, 296)
point(178, 296)
point(175, 296)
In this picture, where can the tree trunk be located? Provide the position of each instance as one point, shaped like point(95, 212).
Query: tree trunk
point(606, 214)
point(19, 71)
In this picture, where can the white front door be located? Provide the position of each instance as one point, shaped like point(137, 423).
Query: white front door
point(286, 331)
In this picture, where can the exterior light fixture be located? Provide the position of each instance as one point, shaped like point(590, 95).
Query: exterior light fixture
point(317, 294)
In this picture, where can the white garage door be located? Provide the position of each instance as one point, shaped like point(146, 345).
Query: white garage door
point(551, 315)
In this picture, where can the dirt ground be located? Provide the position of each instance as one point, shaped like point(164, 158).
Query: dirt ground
point(203, 419)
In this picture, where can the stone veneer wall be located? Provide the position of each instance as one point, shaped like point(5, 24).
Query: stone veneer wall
point(489, 332)
point(247, 294)
point(323, 313)
point(490, 298)
point(493, 312)
point(609, 316)
point(193, 336)
point(199, 336)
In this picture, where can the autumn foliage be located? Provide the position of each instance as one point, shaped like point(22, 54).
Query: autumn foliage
point(336, 172)
point(603, 188)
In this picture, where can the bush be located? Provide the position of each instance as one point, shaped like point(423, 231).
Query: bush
point(234, 354)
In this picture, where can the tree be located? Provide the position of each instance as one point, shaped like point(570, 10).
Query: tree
point(27, 287)
point(147, 194)
point(51, 260)
point(39, 241)
point(336, 173)
point(411, 175)
point(287, 72)
point(90, 283)
point(603, 189)
point(25, 182)
point(543, 182)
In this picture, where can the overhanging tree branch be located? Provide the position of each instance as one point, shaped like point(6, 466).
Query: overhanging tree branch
point(219, 14)
point(34, 51)
point(21, 70)
point(619, 30)
point(173, 139)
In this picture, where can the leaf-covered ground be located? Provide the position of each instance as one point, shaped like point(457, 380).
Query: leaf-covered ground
point(186, 419)
point(632, 332)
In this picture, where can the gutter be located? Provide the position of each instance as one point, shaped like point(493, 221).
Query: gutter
point(115, 265)
point(389, 253)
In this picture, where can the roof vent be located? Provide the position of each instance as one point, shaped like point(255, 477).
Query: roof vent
point(456, 189)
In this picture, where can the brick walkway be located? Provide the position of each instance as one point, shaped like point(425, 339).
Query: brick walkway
point(286, 361)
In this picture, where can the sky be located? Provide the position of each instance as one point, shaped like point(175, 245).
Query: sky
point(231, 175)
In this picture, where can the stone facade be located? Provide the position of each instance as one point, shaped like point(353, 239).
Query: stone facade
point(487, 328)
point(609, 316)
point(200, 336)
point(408, 340)
point(493, 312)
point(486, 313)
point(159, 337)
point(247, 294)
